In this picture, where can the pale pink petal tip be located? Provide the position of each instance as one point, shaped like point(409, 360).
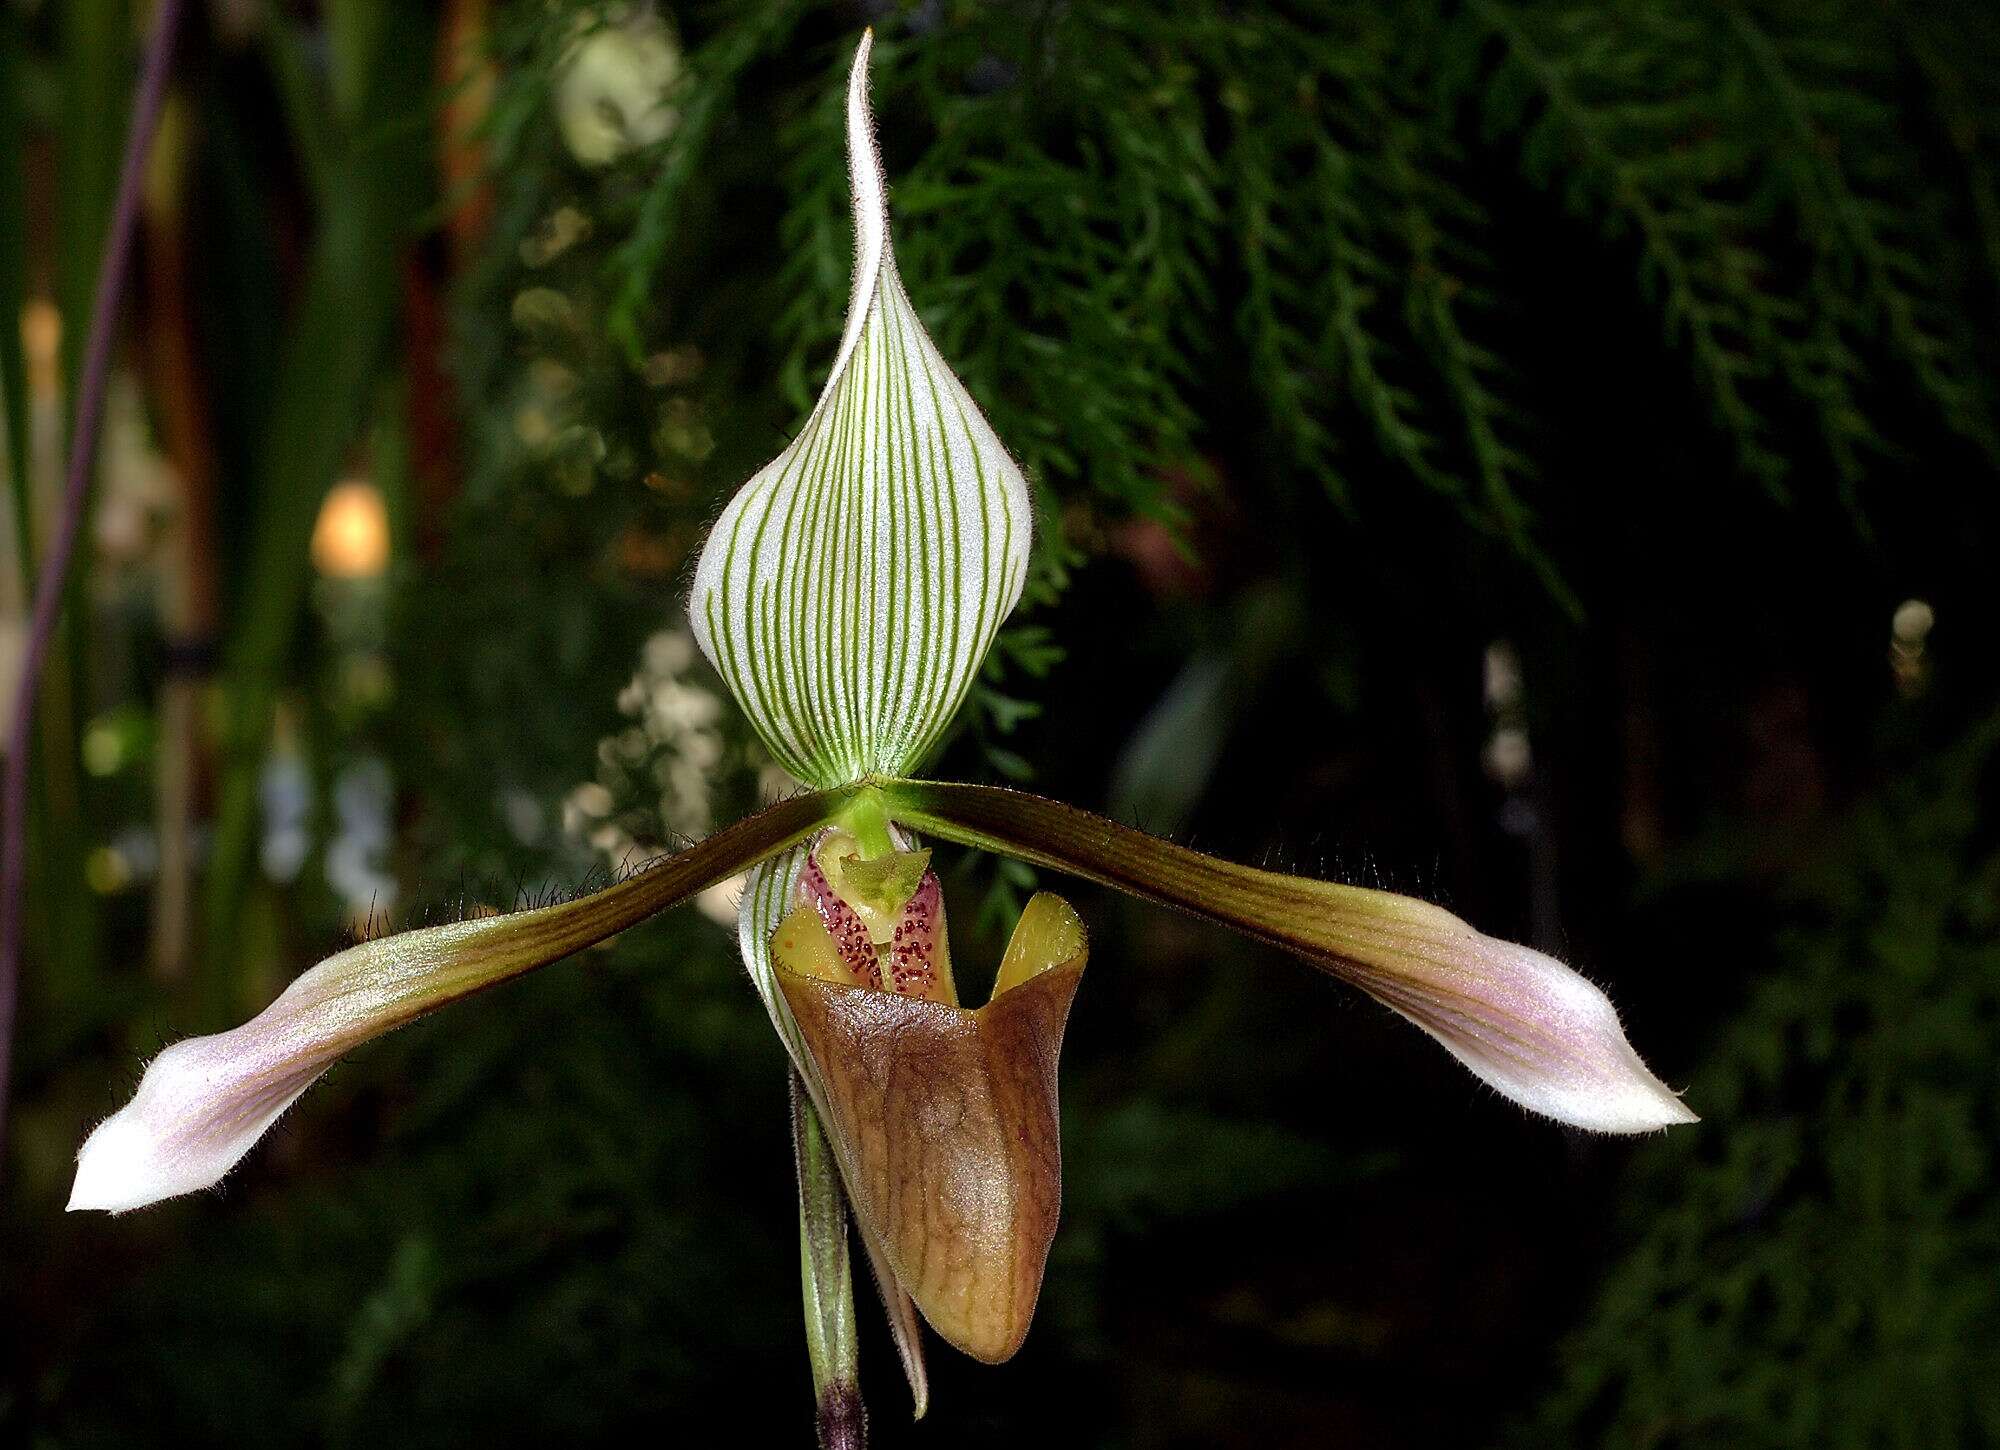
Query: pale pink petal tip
point(1534, 1030)
point(201, 1106)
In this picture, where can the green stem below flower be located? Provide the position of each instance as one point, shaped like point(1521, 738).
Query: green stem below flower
point(827, 1278)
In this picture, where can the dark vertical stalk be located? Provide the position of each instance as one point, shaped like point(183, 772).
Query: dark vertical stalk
point(55, 565)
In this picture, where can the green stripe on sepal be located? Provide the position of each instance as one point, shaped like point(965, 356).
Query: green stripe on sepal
point(1524, 1023)
point(850, 590)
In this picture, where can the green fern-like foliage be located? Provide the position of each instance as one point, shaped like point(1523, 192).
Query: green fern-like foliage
point(1815, 1266)
point(1788, 220)
point(1286, 253)
point(1120, 218)
point(1108, 214)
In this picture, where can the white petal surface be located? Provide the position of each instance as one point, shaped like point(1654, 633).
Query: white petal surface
point(850, 590)
point(1525, 1024)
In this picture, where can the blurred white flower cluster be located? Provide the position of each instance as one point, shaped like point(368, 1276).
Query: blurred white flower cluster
point(653, 777)
point(611, 94)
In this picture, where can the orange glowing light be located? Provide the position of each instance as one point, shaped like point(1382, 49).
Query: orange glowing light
point(351, 537)
point(41, 344)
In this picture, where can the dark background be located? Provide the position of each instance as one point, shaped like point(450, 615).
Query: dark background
point(1352, 350)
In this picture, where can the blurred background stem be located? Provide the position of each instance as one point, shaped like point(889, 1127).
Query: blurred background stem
point(55, 585)
point(190, 603)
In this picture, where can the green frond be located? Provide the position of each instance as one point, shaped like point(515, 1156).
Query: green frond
point(1123, 223)
point(1786, 227)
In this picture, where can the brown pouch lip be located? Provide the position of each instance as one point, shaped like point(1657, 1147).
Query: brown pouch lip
point(946, 1127)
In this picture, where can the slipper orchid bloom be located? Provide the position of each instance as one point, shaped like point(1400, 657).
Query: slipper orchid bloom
point(848, 595)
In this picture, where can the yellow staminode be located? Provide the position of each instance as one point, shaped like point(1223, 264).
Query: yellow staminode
point(1049, 934)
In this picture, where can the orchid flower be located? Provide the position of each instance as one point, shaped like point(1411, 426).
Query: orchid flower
point(848, 595)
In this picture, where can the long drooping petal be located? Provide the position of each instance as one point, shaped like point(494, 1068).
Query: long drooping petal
point(1524, 1023)
point(202, 1103)
point(850, 590)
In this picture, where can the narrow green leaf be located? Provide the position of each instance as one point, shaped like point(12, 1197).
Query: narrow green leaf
point(308, 112)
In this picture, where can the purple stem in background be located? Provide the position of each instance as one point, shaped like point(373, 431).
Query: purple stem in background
point(54, 580)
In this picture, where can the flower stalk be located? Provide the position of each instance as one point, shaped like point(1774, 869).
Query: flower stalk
point(827, 1281)
point(53, 586)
